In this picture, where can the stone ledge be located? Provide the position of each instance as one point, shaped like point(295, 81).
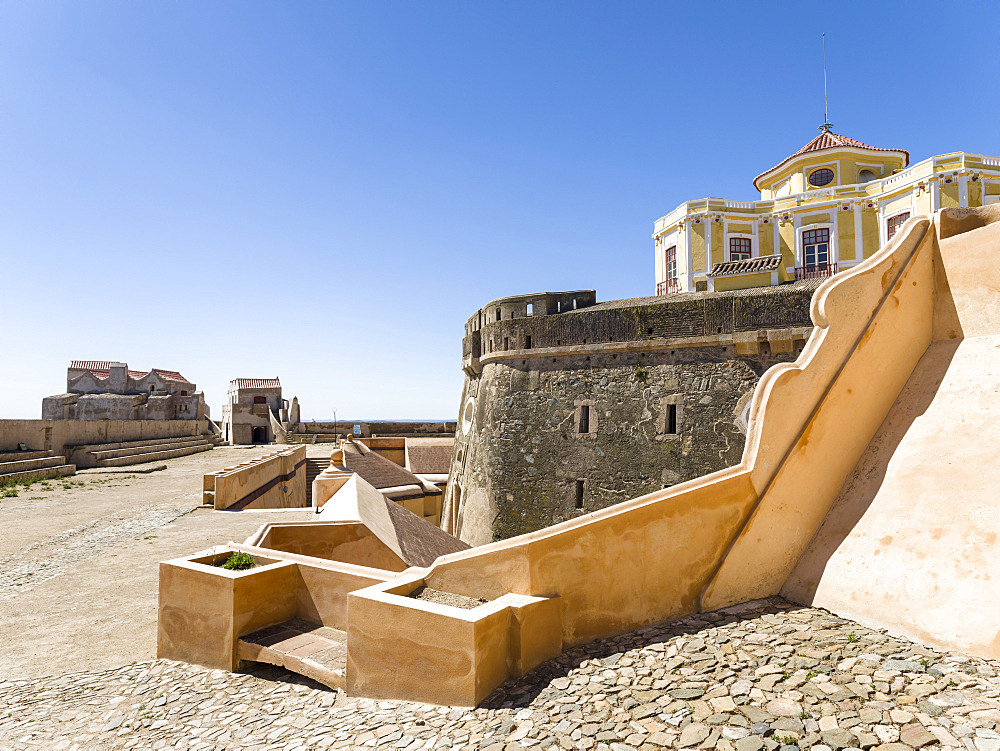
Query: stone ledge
point(745, 342)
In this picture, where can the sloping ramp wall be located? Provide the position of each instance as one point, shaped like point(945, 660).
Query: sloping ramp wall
point(736, 534)
point(911, 542)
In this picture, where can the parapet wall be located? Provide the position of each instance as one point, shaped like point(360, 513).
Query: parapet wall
point(56, 435)
point(734, 535)
point(369, 429)
point(276, 480)
point(664, 381)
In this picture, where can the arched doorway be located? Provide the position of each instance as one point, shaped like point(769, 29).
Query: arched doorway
point(260, 435)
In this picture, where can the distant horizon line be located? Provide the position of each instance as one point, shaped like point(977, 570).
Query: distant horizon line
point(383, 419)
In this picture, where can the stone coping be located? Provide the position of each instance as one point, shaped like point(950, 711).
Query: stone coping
point(649, 345)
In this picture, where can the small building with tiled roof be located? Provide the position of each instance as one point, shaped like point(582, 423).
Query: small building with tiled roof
point(825, 208)
point(254, 412)
point(109, 390)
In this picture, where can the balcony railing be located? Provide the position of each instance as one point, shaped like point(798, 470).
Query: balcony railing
point(817, 271)
point(668, 287)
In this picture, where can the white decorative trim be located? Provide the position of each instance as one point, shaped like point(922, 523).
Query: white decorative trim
point(808, 187)
point(859, 240)
point(709, 261)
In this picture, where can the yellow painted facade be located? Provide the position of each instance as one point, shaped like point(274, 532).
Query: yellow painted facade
point(861, 202)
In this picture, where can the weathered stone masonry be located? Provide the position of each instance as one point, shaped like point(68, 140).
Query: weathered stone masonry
point(570, 406)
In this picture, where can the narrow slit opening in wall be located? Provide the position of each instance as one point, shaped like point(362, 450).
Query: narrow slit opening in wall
point(527, 342)
point(531, 309)
point(671, 418)
point(506, 342)
point(574, 303)
point(580, 487)
point(498, 314)
point(585, 419)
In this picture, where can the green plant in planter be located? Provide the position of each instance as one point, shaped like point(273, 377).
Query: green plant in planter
point(239, 562)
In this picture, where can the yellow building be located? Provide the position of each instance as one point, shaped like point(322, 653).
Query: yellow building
point(827, 207)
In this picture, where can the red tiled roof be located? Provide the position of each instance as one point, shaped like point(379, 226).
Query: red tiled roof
point(746, 266)
point(102, 369)
point(254, 383)
point(827, 139)
point(170, 375)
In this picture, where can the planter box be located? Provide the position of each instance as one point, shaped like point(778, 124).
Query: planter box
point(399, 647)
point(204, 608)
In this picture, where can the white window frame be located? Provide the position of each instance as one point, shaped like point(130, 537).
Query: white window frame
point(883, 228)
point(878, 169)
point(742, 236)
point(889, 217)
point(832, 166)
point(833, 252)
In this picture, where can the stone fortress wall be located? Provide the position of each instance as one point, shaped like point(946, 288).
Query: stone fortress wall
point(570, 405)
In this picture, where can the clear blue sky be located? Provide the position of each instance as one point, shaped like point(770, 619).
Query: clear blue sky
point(325, 191)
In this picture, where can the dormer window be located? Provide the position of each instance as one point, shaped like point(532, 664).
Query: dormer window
point(819, 178)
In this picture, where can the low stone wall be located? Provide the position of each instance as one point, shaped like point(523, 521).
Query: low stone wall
point(368, 429)
point(277, 480)
point(56, 435)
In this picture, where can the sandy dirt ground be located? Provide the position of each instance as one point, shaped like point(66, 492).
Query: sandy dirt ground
point(79, 559)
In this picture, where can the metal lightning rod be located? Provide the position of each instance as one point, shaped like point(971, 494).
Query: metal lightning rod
point(827, 125)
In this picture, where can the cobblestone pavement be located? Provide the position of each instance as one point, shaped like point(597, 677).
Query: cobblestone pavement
point(766, 676)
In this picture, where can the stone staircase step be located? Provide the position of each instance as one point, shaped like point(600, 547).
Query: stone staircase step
point(309, 649)
point(16, 456)
point(145, 449)
point(42, 473)
point(28, 464)
point(154, 456)
point(129, 444)
point(313, 468)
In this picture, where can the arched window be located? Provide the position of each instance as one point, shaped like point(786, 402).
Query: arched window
point(816, 248)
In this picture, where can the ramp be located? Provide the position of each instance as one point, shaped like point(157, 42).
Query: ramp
point(910, 543)
point(310, 649)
